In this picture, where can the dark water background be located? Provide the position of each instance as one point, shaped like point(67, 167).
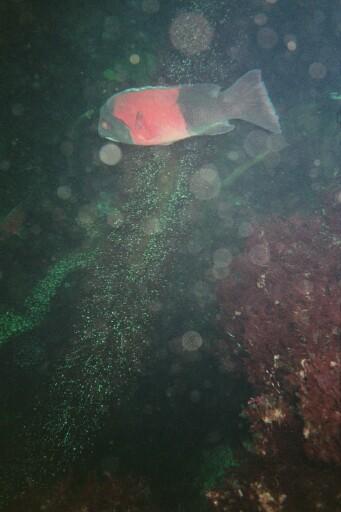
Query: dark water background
point(147, 408)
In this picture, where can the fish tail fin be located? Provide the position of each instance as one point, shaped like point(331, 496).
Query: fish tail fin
point(248, 99)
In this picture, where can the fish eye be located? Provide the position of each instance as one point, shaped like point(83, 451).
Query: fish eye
point(105, 125)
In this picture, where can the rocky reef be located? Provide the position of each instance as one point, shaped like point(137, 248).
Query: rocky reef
point(90, 493)
point(280, 309)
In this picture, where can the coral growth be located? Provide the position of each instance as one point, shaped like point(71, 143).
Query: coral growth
point(273, 487)
point(282, 304)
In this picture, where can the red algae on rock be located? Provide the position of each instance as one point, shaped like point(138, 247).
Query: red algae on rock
point(280, 310)
point(260, 486)
point(285, 317)
point(89, 494)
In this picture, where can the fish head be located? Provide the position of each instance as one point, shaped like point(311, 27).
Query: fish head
point(111, 127)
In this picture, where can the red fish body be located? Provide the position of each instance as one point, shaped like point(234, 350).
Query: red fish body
point(163, 115)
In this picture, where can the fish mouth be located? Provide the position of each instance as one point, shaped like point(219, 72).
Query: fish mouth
point(114, 129)
point(111, 138)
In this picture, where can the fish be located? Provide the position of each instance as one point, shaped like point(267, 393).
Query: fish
point(152, 116)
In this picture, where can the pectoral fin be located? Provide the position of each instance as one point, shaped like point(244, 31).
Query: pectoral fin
point(219, 128)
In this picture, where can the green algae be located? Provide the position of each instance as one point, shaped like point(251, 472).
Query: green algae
point(124, 71)
point(37, 304)
point(112, 336)
point(214, 465)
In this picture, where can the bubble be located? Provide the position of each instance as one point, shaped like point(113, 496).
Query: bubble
point(222, 257)
point(110, 465)
point(195, 244)
point(58, 214)
point(151, 226)
point(338, 197)
point(191, 341)
point(313, 173)
point(291, 45)
point(214, 437)
point(115, 218)
point(256, 142)
point(245, 229)
point(290, 42)
point(175, 345)
point(225, 211)
point(110, 154)
point(260, 19)
point(111, 29)
point(191, 33)
point(66, 148)
point(276, 142)
point(305, 286)
point(134, 59)
point(5, 165)
point(18, 109)
point(85, 216)
point(317, 70)
point(155, 306)
point(319, 16)
point(170, 392)
point(272, 160)
point(207, 384)
point(36, 84)
point(175, 369)
point(64, 192)
point(202, 291)
point(205, 184)
point(195, 396)
point(259, 254)
point(150, 6)
point(219, 273)
point(233, 156)
point(317, 187)
point(267, 38)
point(35, 229)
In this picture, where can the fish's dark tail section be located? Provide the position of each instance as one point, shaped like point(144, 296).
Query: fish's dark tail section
point(248, 99)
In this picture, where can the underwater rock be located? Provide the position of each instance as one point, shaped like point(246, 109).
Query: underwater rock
point(259, 486)
point(285, 318)
point(91, 492)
